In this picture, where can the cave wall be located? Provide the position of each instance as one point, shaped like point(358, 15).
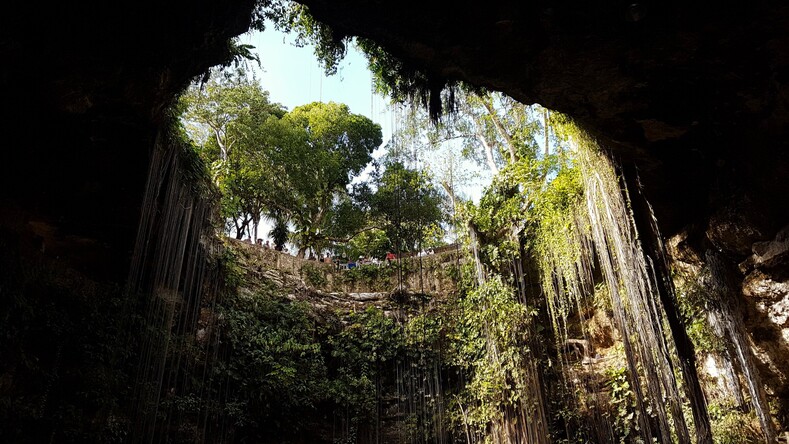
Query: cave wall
point(85, 88)
point(694, 95)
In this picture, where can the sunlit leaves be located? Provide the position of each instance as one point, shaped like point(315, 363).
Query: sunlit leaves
point(293, 166)
point(407, 204)
point(328, 148)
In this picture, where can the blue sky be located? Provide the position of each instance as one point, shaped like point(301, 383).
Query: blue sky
point(293, 77)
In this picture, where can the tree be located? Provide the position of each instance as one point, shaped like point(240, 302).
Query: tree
point(327, 147)
point(227, 118)
point(293, 167)
point(225, 113)
point(406, 204)
point(494, 129)
point(490, 129)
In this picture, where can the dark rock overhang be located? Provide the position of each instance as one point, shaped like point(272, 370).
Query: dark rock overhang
point(85, 87)
point(695, 93)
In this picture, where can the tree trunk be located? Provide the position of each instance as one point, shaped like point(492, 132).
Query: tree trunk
point(547, 130)
point(255, 223)
point(488, 154)
point(241, 228)
point(502, 132)
point(450, 192)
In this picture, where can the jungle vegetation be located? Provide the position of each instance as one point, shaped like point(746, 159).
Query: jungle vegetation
point(551, 267)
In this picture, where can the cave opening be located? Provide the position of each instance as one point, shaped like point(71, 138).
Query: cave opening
point(622, 277)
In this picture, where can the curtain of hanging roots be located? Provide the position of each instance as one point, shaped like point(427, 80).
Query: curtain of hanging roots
point(170, 268)
point(602, 233)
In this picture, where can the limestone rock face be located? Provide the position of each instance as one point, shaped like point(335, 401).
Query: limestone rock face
point(760, 285)
point(85, 88)
point(694, 92)
point(772, 252)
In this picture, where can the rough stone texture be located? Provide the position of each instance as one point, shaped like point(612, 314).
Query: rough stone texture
point(772, 252)
point(694, 92)
point(84, 88)
point(765, 312)
point(428, 275)
point(736, 226)
point(761, 286)
point(762, 305)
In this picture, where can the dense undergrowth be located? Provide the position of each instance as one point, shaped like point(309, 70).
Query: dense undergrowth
point(527, 350)
point(68, 357)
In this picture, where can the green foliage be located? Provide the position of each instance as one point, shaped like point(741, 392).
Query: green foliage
point(622, 400)
point(392, 77)
point(730, 425)
point(313, 275)
point(371, 243)
point(226, 119)
point(286, 369)
point(279, 234)
point(602, 298)
point(425, 331)
point(330, 146)
point(405, 83)
point(692, 299)
point(490, 342)
point(293, 168)
point(292, 17)
point(275, 362)
point(523, 196)
point(371, 275)
point(360, 350)
point(240, 54)
point(407, 205)
point(232, 272)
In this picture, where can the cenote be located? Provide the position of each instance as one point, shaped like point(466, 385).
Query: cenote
point(547, 222)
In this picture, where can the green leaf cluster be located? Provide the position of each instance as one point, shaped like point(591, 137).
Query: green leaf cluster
point(407, 206)
point(489, 342)
point(621, 399)
point(291, 167)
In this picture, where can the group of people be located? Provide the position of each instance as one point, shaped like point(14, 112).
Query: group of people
point(260, 243)
point(343, 263)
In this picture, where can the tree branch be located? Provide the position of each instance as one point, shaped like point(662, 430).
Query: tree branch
point(500, 129)
point(349, 238)
point(488, 154)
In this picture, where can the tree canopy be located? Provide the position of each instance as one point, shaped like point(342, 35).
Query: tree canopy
point(407, 205)
point(328, 148)
point(226, 118)
point(292, 167)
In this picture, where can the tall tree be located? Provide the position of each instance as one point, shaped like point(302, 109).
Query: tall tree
point(407, 206)
point(226, 117)
point(328, 146)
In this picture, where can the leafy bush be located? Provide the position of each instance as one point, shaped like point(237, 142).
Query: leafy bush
point(313, 275)
point(733, 426)
point(622, 401)
point(275, 362)
point(369, 274)
point(490, 342)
